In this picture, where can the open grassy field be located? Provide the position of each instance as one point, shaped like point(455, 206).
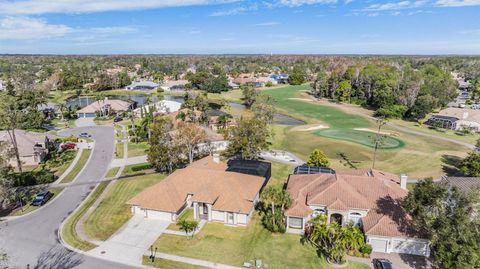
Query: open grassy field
point(217, 242)
point(137, 149)
point(82, 161)
point(113, 212)
point(69, 234)
point(348, 148)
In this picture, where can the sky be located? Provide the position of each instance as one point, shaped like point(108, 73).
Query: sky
point(239, 27)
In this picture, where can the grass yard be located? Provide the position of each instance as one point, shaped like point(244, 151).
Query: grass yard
point(119, 150)
point(280, 173)
point(186, 215)
point(113, 212)
point(69, 234)
point(219, 243)
point(29, 208)
point(168, 264)
point(112, 172)
point(82, 161)
point(137, 149)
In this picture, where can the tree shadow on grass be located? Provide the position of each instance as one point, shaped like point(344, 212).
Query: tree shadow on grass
point(58, 257)
point(451, 165)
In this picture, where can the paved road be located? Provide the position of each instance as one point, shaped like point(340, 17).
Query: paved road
point(33, 239)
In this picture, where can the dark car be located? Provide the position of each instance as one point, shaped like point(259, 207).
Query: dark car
point(68, 145)
point(382, 264)
point(117, 119)
point(85, 135)
point(42, 198)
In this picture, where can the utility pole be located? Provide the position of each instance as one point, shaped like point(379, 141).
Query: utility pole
point(378, 140)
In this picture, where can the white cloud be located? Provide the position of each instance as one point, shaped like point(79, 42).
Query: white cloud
point(297, 3)
point(268, 23)
point(396, 5)
point(458, 3)
point(228, 12)
point(29, 7)
point(113, 30)
point(23, 28)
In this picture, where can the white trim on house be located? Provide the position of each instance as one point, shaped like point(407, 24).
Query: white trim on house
point(411, 246)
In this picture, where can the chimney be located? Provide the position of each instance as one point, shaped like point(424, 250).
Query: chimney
point(403, 181)
point(216, 157)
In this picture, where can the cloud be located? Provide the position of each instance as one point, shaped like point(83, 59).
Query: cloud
point(396, 5)
point(297, 3)
point(23, 28)
point(228, 12)
point(268, 23)
point(113, 30)
point(457, 3)
point(30, 7)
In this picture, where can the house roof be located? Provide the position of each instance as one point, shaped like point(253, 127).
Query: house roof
point(461, 114)
point(25, 140)
point(172, 83)
point(207, 181)
point(374, 191)
point(144, 83)
point(117, 105)
point(465, 184)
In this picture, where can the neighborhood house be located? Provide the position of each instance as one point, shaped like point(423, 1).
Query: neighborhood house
point(367, 198)
point(174, 85)
point(215, 190)
point(31, 146)
point(103, 106)
point(142, 85)
point(456, 119)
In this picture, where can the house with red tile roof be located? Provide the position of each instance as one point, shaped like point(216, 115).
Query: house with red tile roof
point(367, 198)
point(216, 191)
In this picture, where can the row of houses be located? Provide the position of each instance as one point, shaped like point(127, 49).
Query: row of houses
point(456, 119)
point(228, 192)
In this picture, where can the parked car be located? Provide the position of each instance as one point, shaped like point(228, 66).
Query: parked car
point(117, 119)
point(382, 264)
point(68, 145)
point(84, 135)
point(42, 198)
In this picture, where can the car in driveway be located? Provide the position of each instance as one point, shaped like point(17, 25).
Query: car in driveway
point(68, 145)
point(382, 264)
point(85, 135)
point(42, 198)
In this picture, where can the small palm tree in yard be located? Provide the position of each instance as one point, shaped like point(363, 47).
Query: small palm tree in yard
point(188, 226)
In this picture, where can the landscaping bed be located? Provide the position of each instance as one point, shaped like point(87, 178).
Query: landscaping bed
point(186, 215)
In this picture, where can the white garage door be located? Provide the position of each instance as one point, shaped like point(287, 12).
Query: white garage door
point(153, 214)
point(410, 247)
point(379, 245)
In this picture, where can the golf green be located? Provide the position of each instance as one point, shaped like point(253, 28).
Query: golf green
point(342, 126)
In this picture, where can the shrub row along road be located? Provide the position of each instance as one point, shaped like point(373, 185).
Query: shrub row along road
point(33, 240)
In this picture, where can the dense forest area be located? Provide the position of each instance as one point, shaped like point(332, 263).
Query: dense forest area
point(394, 86)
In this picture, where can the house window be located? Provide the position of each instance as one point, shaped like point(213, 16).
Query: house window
point(295, 223)
point(317, 212)
point(355, 217)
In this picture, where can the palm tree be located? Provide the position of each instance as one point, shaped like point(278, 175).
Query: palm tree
point(270, 196)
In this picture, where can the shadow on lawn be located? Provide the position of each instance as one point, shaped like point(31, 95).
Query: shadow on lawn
point(451, 164)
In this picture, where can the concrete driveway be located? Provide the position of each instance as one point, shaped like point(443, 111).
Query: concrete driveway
point(84, 122)
point(405, 261)
point(130, 243)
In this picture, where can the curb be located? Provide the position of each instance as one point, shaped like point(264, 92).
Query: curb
point(70, 167)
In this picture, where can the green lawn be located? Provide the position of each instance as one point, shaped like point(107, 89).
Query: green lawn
point(119, 150)
point(186, 215)
point(219, 243)
point(69, 234)
point(280, 173)
point(112, 172)
point(342, 125)
point(82, 161)
point(29, 208)
point(167, 264)
point(137, 149)
point(113, 212)
point(130, 169)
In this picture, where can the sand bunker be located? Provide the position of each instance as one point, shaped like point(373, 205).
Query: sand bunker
point(301, 99)
point(306, 128)
point(373, 131)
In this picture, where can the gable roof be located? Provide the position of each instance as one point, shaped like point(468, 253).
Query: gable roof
point(117, 105)
point(206, 181)
point(374, 191)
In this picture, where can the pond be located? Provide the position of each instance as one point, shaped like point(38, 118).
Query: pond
point(281, 119)
point(84, 101)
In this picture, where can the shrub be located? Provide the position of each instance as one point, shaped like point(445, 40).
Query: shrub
point(393, 111)
point(142, 166)
point(31, 178)
point(366, 249)
point(71, 138)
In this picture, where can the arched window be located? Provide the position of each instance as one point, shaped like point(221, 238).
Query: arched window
point(317, 212)
point(355, 217)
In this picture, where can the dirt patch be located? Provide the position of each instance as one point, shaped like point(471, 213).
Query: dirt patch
point(301, 99)
point(310, 127)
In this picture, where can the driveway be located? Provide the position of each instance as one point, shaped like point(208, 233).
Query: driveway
point(404, 261)
point(130, 243)
point(84, 122)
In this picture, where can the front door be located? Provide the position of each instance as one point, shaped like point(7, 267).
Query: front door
point(229, 218)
